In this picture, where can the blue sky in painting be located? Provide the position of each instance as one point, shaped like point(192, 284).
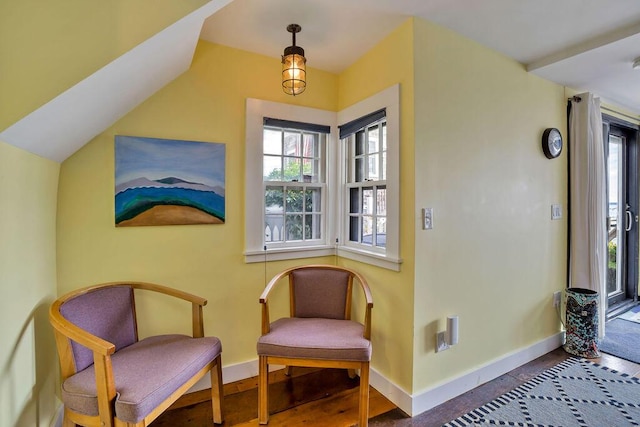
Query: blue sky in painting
point(153, 158)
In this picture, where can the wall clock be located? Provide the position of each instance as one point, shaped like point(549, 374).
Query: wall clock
point(552, 143)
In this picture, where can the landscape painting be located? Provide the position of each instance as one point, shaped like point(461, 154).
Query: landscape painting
point(168, 182)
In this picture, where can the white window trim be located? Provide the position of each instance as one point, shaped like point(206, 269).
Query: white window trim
point(390, 259)
point(254, 228)
point(256, 110)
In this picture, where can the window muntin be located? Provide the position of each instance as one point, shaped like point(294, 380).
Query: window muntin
point(293, 182)
point(366, 186)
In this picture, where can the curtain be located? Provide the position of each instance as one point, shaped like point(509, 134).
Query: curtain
point(588, 232)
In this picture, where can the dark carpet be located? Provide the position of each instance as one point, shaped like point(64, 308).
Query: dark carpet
point(622, 339)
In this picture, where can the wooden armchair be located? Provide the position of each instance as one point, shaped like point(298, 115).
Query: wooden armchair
point(109, 377)
point(319, 331)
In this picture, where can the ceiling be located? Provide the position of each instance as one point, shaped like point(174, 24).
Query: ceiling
point(587, 45)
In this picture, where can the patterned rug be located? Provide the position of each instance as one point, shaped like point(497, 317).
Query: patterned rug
point(575, 392)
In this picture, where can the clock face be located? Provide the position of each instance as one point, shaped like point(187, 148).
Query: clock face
point(552, 143)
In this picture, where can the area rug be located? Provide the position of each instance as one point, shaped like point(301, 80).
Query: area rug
point(632, 315)
point(622, 339)
point(575, 392)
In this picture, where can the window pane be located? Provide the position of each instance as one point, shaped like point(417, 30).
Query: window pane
point(384, 136)
point(272, 142)
point(373, 168)
point(312, 200)
point(293, 226)
point(312, 227)
point(310, 170)
point(291, 169)
point(273, 228)
point(383, 172)
point(367, 201)
point(367, 230)
point(359, 149)
point(354, 200)
point(381, 201)
point(294, 199)
point(373, 137)
point(311, 145)
point(272, 168)
point(354, 229)
point(292, 144)
point(381, 232)
point(359, 170)
point(274, 200)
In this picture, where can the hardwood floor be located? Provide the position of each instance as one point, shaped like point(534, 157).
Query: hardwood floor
point(327, 397)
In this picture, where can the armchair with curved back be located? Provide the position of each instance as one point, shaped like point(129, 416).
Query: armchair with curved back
point(319, 331)
point(109, 376)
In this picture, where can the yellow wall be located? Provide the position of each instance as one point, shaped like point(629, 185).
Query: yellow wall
point(28, 365)
point(48, 46)
point(207, 103)
point(388, 63)
point(494, 256)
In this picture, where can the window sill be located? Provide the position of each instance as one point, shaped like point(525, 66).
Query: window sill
point(371, 258)
point(288, 253)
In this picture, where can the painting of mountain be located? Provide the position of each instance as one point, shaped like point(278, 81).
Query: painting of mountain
point(168, 182)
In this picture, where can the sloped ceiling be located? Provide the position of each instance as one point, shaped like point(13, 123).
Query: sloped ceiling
point(63, 125)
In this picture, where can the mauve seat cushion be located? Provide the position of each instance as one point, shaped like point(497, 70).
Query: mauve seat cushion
point(316, 338)
point(145, 373)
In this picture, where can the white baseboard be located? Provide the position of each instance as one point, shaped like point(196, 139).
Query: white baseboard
point(440, 393)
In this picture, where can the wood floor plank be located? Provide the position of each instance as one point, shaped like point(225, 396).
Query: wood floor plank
point(308, 394)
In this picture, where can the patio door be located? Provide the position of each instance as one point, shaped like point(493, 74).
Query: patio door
point(621, 154)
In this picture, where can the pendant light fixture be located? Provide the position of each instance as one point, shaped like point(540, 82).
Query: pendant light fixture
point(294, 74)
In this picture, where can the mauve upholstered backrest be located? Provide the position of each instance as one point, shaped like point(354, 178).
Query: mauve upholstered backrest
point(320, 292)
point(107, 313)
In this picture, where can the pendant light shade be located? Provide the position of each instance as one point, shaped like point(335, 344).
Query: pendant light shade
point(294, 71)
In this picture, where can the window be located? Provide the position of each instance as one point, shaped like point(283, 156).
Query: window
point(366, 187)
point(370, 180)
point(288, 154)
point(294, 184)
point(313, 191)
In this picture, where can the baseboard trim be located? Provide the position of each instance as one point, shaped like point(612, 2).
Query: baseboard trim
point(439, 394)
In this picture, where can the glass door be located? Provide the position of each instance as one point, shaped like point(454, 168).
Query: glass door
point(622, 220)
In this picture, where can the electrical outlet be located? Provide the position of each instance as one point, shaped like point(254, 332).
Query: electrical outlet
point(556, 298)
point(441, 342)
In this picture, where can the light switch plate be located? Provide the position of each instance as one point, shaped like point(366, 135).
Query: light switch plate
point(556, 211)
point(427, 218)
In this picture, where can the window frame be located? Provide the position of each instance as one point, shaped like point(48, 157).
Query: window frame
point(255, 248)
point(389, 258)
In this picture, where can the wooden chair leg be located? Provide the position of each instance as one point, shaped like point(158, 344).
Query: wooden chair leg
point(217, 394)
point(364, 395)
point(351, 373)
point(287, 370)
point(263, 390)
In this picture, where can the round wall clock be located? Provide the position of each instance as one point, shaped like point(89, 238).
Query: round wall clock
point(551, 143)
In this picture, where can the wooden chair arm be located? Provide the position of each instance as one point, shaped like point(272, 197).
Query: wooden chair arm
point(369, 303)
point(74, 333)
point(264, 299)
point(197, 322)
